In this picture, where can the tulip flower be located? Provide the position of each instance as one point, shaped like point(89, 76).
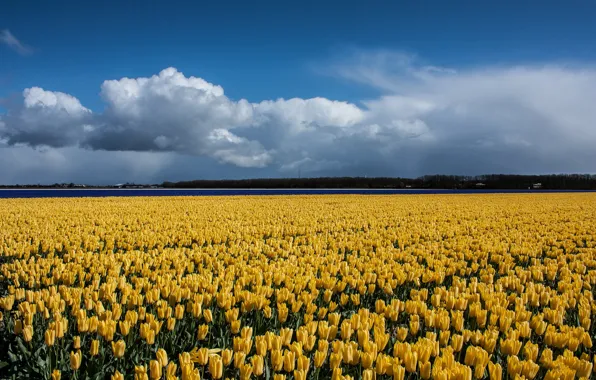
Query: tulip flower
point(118, 348)
point(75, 360)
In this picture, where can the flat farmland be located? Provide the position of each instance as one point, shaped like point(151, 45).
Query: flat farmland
point(489, 286)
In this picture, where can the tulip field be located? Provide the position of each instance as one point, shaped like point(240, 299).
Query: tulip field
point(475, 286)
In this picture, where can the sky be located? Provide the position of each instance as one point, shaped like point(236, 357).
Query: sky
point(136, 91)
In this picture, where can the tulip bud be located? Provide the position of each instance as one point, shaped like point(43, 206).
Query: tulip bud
point(235, 326)
point(124, 327)
point(336, 374)
point(155, 369)
point(495, 371)
point(227, 356)
point(335, 360)
point(140, 373)
point(289, 361)
point(245, 371)
point(28, 333)
point(208, 315)
point(216, 366)
point(171, 370)
point(368, 374)
point(150, 337)
point(171, 324)
point(319, 358)
point(411, 360)
point(118, 348)
point(56, 374)
point(162, 357)
point(94, 347)
point(277, 360)
point(257, 365)
point(179, 312)
point(75, 360)
point(49, 337)
point(425, 370)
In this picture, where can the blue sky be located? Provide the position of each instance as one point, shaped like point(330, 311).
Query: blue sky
point(368, 55)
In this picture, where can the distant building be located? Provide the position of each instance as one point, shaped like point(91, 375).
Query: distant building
point(537, 185)
point(480, 185)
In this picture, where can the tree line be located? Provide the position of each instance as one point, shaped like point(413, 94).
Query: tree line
point(487, 181)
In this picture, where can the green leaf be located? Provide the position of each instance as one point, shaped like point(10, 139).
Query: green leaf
point(13, 358)
point(22, 347)
point(41, 363)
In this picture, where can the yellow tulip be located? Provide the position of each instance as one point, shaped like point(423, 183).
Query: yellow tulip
point(27, 333)
point(367, 360)
point(179, 312)
point(584, 369)
point(277, 360)
point(94, 347)
point(124, 327)
point(162, 357)
point(319, 358)
point(226, 356)
point(411, 360)
point(399, 372)
point(234, 326)
point(140, 373)
point(289, 361)
point(257, 362)
point(202, 356)
point(495, 371)
point(514, 366)
point(207, 315)
point(171, 370)
point(171, 324)
point(336, 374)
point(245, 371)
point(75, 360)
point(368, 374)
point(49, 337)
point(457, 342)
point(155, 369)
point(216, 367)
point(118, 348)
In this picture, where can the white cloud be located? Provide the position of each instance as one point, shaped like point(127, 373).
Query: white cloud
point(45, 118)
point(305, 114)
point(8, 39)
point(427, 119)
point(164, 112)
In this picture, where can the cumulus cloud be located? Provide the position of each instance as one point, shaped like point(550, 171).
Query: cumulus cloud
point(47, 118)
point(8, 39)
point(426, 119)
